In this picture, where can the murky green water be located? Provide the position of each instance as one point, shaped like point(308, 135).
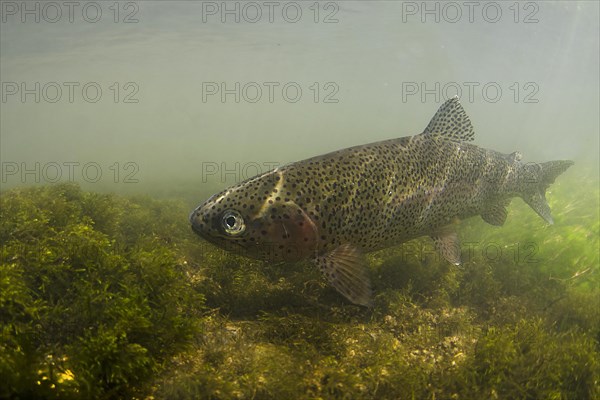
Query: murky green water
point(118, 118)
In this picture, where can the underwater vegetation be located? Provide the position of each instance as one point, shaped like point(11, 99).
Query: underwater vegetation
point(104, 297)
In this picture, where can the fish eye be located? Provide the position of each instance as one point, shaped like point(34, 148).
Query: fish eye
point(232, 222)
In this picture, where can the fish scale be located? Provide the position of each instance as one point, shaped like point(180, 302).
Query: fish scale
point(335, 207)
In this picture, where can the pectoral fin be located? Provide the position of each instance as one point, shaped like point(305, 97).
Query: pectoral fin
point(447, 244)
point(346, 270)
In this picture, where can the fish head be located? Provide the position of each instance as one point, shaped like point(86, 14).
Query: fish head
point(254, 219)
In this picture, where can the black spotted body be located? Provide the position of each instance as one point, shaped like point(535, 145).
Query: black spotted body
point(381, 194)
point(335, 207)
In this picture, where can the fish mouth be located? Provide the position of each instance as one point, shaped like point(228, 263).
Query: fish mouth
point(196, 230)
point(195, 219)
point(201, 226)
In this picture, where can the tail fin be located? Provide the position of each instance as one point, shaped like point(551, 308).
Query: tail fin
point(539, 177)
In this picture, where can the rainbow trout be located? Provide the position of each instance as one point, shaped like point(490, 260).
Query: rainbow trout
point(335, 207)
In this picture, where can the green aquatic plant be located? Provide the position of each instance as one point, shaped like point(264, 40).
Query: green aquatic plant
point(104, 296)
point(85, 312)
point(524, 360)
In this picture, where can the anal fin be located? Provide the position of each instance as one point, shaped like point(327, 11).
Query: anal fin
point(446, 243)
point(345, 268)
point(495, 213)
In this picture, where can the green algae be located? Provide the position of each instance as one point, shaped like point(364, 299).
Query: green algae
point(89, 308)
point(103, 296)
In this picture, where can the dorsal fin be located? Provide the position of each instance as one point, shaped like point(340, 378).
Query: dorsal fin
point(451, 122)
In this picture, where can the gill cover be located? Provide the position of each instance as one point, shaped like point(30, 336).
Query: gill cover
point(290, 230)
